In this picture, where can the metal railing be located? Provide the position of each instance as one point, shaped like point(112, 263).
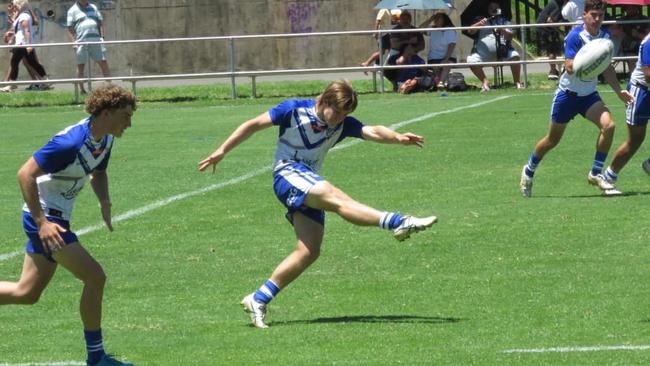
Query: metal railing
point(253, 74)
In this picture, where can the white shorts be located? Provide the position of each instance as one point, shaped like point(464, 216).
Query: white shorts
point(475, 57)
point(96, 51)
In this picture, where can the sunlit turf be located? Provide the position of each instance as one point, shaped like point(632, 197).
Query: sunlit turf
point(566, 268)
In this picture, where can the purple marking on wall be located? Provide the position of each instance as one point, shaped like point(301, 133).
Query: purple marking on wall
point(300, 16)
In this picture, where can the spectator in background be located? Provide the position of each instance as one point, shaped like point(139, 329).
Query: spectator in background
point(633, 34)
point(85, 24)
point(409, 80)
point(442, 46)
point(386, 19)
point(10, 38)
point(572, 11)
point(550, 37)
point(24, 36)
point(493, 45)
point(397, 40)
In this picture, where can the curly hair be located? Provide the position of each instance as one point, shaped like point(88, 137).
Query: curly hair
point(109, 96)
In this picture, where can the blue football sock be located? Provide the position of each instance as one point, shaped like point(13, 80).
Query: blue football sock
point(266, 292)
point(94, 345)
point(532, 164)
point(599, 162)
point(610, 175)
point(390, 220)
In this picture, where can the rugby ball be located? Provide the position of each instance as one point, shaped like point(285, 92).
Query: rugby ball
point(593, 58)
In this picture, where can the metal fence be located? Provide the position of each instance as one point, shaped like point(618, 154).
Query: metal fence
point(233, 73)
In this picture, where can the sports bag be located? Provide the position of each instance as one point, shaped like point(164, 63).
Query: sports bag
point(456, 82)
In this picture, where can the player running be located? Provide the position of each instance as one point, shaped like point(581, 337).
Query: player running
point(50, 181)
point(575, 96)
point(308, 130)
point(636, 116)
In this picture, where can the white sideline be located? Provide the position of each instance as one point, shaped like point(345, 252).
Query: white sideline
point(579, 349)
point(164, 202)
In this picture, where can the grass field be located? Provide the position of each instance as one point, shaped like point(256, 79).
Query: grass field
point(563, 270)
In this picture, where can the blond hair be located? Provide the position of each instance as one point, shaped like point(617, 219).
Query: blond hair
point(109, 96)
point(21, 4)
point(340, 96)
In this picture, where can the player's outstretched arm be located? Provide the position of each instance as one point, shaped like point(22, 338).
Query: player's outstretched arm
point(610, 77)
point(48, 231)
point(99, 182)
point(241, 134)
point(385, 135)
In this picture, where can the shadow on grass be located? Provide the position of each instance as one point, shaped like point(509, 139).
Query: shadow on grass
point(373, 319)
point(624, 194)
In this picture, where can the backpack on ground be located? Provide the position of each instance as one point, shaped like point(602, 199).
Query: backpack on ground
point(456, 82)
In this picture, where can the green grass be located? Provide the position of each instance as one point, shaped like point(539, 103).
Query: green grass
point(565, 268)
point(208, 94)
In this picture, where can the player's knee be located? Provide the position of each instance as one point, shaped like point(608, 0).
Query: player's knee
point(551, 141)
point(309, 254)
point(608, 127)
point(312, 254)
point(96, 278)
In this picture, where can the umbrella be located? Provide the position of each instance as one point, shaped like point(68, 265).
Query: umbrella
point(414, 4)
point(478, 8)
point(629, 2)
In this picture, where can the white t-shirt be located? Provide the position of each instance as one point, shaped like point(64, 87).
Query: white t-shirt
point(438, 43)
point(572, 10)
point(20, 34)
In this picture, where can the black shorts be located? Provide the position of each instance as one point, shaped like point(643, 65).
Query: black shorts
point(550, 40)
point(452, 60)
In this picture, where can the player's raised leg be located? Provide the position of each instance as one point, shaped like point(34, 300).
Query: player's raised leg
point(326, 196)
point(36, 275)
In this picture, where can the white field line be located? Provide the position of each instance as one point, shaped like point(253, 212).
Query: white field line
point(164, 202)
point(59, 363)
point(579, 349)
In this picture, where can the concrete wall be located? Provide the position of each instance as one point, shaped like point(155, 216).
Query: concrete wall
point(140, 19)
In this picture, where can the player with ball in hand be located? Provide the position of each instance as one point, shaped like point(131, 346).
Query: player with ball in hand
point(576, 95)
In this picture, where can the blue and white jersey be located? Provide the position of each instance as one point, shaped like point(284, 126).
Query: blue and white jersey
point(637, 76)
point(573, 42)
point(67, 159)
point(304, 137)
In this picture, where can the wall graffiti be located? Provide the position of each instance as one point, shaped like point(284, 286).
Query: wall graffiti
point(300, 16)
